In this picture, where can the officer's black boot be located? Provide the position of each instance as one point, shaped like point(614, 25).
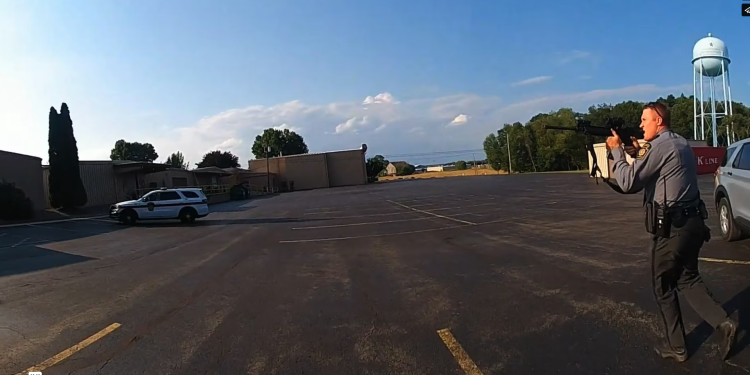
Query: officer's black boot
point(666, 351)
point(728, 329)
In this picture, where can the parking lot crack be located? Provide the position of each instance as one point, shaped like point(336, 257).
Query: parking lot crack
point(19, 333)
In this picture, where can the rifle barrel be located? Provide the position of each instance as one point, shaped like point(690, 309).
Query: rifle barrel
point(559, 128)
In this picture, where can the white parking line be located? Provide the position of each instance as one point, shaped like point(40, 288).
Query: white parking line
point(371, 235)
point(461, 207)
point(376, 205)
point(402, 212)
point(365, 223)
point(727, 261)
point(51, 221)
point(21, 242)
point(498, 221)
point(433, 214)
point(341, 211)
point(39, 242)
point(60, 229)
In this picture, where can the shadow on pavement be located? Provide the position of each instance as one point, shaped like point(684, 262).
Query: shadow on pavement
point(16, 261)
point(19, 251)
point(739, 304)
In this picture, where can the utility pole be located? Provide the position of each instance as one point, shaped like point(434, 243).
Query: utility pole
point(507, 142)
point(268, 169)
point(475, 163)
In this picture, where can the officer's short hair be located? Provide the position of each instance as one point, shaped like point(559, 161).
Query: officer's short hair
point(662, 110)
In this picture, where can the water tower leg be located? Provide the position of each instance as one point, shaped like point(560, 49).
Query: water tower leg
point(726, 105)
point(695, 108)
point(703, 109)
point(714, 128)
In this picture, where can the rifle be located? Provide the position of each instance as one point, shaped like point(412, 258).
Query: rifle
point(613, 123)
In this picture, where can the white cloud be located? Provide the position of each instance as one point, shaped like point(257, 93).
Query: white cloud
point(351, 125)
point(532, 81)
point(459, 120)
point(228, 144)
point(411, 125)
point(575, 55)
point(388, 127)
point(384, 98)
point(286, 126)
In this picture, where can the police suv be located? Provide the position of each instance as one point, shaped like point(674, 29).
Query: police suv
point(732, 191)
point(185, 204)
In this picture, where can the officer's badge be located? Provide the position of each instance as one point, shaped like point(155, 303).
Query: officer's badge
point(643, 150)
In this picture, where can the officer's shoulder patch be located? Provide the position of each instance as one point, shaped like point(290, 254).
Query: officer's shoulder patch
point(643, 151)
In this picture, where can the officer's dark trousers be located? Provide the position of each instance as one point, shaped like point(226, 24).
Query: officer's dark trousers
point(674, 265)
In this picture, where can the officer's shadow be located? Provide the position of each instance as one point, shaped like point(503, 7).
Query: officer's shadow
point(739, 304)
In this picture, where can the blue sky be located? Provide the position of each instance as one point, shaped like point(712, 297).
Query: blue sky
point(200, 75)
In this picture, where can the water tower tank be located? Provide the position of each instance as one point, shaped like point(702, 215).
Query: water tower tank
point(710, 52)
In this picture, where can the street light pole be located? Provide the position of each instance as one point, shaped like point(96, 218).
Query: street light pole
point(268, 169)
point(507, 142)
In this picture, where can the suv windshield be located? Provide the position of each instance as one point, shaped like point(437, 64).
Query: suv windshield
point(728, 155)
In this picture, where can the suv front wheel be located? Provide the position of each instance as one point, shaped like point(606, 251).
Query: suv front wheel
point(729, 230)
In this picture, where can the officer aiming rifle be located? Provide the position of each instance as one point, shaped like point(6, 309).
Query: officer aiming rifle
point(665, 170)
point(629, 137)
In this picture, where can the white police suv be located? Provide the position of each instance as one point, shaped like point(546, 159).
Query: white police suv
point(185, 204)
point(732, 191)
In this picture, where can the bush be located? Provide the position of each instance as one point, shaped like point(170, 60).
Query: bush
point(238, 192)
point(14, 204)
point(405, 170)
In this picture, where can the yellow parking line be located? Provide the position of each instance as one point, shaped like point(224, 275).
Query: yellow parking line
point(469, 367)
point(59, 357)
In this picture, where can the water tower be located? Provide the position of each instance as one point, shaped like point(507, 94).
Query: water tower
point(711, 61)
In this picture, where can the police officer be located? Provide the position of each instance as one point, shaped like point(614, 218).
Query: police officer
point(665, 169)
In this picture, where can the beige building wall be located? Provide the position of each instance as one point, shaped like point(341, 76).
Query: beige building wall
point(25, 171)
point(103, 186)
point(171, 178)
point(346, 168)
point(314, 171)
point(305, 172)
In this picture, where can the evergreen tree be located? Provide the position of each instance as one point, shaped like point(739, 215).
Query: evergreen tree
point(56, 178)
point(65, 184)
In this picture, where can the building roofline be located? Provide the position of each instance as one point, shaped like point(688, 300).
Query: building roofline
point(362, 150)
point(19, 154)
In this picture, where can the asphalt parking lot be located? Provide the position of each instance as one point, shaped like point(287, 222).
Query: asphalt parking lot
point(523, 274)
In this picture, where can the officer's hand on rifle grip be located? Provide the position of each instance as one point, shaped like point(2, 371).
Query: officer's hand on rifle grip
point(632, 150)
point(614, 141)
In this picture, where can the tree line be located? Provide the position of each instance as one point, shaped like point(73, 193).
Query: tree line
point(532, 148)
point(271, 143)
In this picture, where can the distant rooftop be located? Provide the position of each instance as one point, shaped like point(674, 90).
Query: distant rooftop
point(362, 149)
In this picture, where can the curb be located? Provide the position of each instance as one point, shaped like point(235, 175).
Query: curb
point(53, 221)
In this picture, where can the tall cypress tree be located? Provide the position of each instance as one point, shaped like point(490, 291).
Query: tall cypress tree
point(56, 179)
point(66, 188)
point(77, 196)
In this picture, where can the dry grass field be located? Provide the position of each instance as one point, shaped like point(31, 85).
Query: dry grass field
point(463, 173)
